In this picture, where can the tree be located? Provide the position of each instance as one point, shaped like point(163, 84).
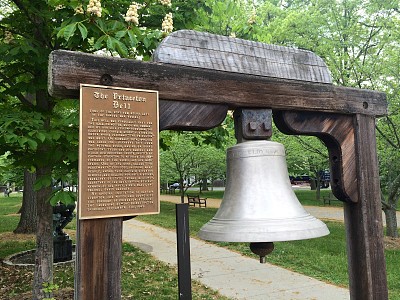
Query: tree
point(47, 143)
point(210, 165)
point(180, 159)
point(358, 41)
point(389, 146)
point(305, 155)
point(188, 156)
point(389, 141)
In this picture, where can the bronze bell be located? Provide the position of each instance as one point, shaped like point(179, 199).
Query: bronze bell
point(259, 205)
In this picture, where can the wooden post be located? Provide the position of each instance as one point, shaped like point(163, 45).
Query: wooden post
point(365, 249)
point(99, 259)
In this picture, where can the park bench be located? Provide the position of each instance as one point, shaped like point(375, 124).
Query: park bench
point(195, 199)
point(329, 198)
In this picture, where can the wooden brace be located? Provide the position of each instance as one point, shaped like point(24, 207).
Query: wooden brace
point(336, 131)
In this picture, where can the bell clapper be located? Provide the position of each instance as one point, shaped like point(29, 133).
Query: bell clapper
point(262, 249)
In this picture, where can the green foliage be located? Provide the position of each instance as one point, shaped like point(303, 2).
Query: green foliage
point(348, 35)
point(221, 17)
point(48, 289)
point(16, 133)
point(9, 172)
point(188, 156)
point(28, 32)
point(113, 34)
point(61, 196)
point(304, 155)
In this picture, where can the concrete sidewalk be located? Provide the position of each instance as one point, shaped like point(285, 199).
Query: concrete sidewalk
point(230, 273)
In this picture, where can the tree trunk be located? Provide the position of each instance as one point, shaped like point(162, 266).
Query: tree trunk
point(181, 190)
point(389, 207)
point(44, 239)
point(318, 190)
point(313, 184)
point(204, 184)
point(391, 222)
point(28, 220)
point(44, 235)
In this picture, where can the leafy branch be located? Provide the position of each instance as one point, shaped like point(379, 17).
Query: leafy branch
point(20, 96)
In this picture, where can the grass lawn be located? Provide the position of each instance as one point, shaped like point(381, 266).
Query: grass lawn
point(322, 258)
point(143, 277)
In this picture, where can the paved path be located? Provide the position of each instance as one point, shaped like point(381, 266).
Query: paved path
point(230, 273)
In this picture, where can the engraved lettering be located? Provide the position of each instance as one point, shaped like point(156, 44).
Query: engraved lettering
point(121, 148)
point(123, 97)
point(99, 95)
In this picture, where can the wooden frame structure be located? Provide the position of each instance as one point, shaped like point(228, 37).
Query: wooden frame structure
point(197, 97)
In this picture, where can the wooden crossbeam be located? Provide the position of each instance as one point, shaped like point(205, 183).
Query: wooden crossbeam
point(67, 70)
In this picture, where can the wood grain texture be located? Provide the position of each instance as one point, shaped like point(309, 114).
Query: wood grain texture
point(337, 133)
point(351, 143)
point(367, 267)
point(179, 115)
point(99, 259)
point(180, 83)
point(217, 52)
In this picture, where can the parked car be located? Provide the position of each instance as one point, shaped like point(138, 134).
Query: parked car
point(325, 178)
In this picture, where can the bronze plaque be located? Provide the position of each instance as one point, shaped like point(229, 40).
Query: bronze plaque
point(118, 152)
